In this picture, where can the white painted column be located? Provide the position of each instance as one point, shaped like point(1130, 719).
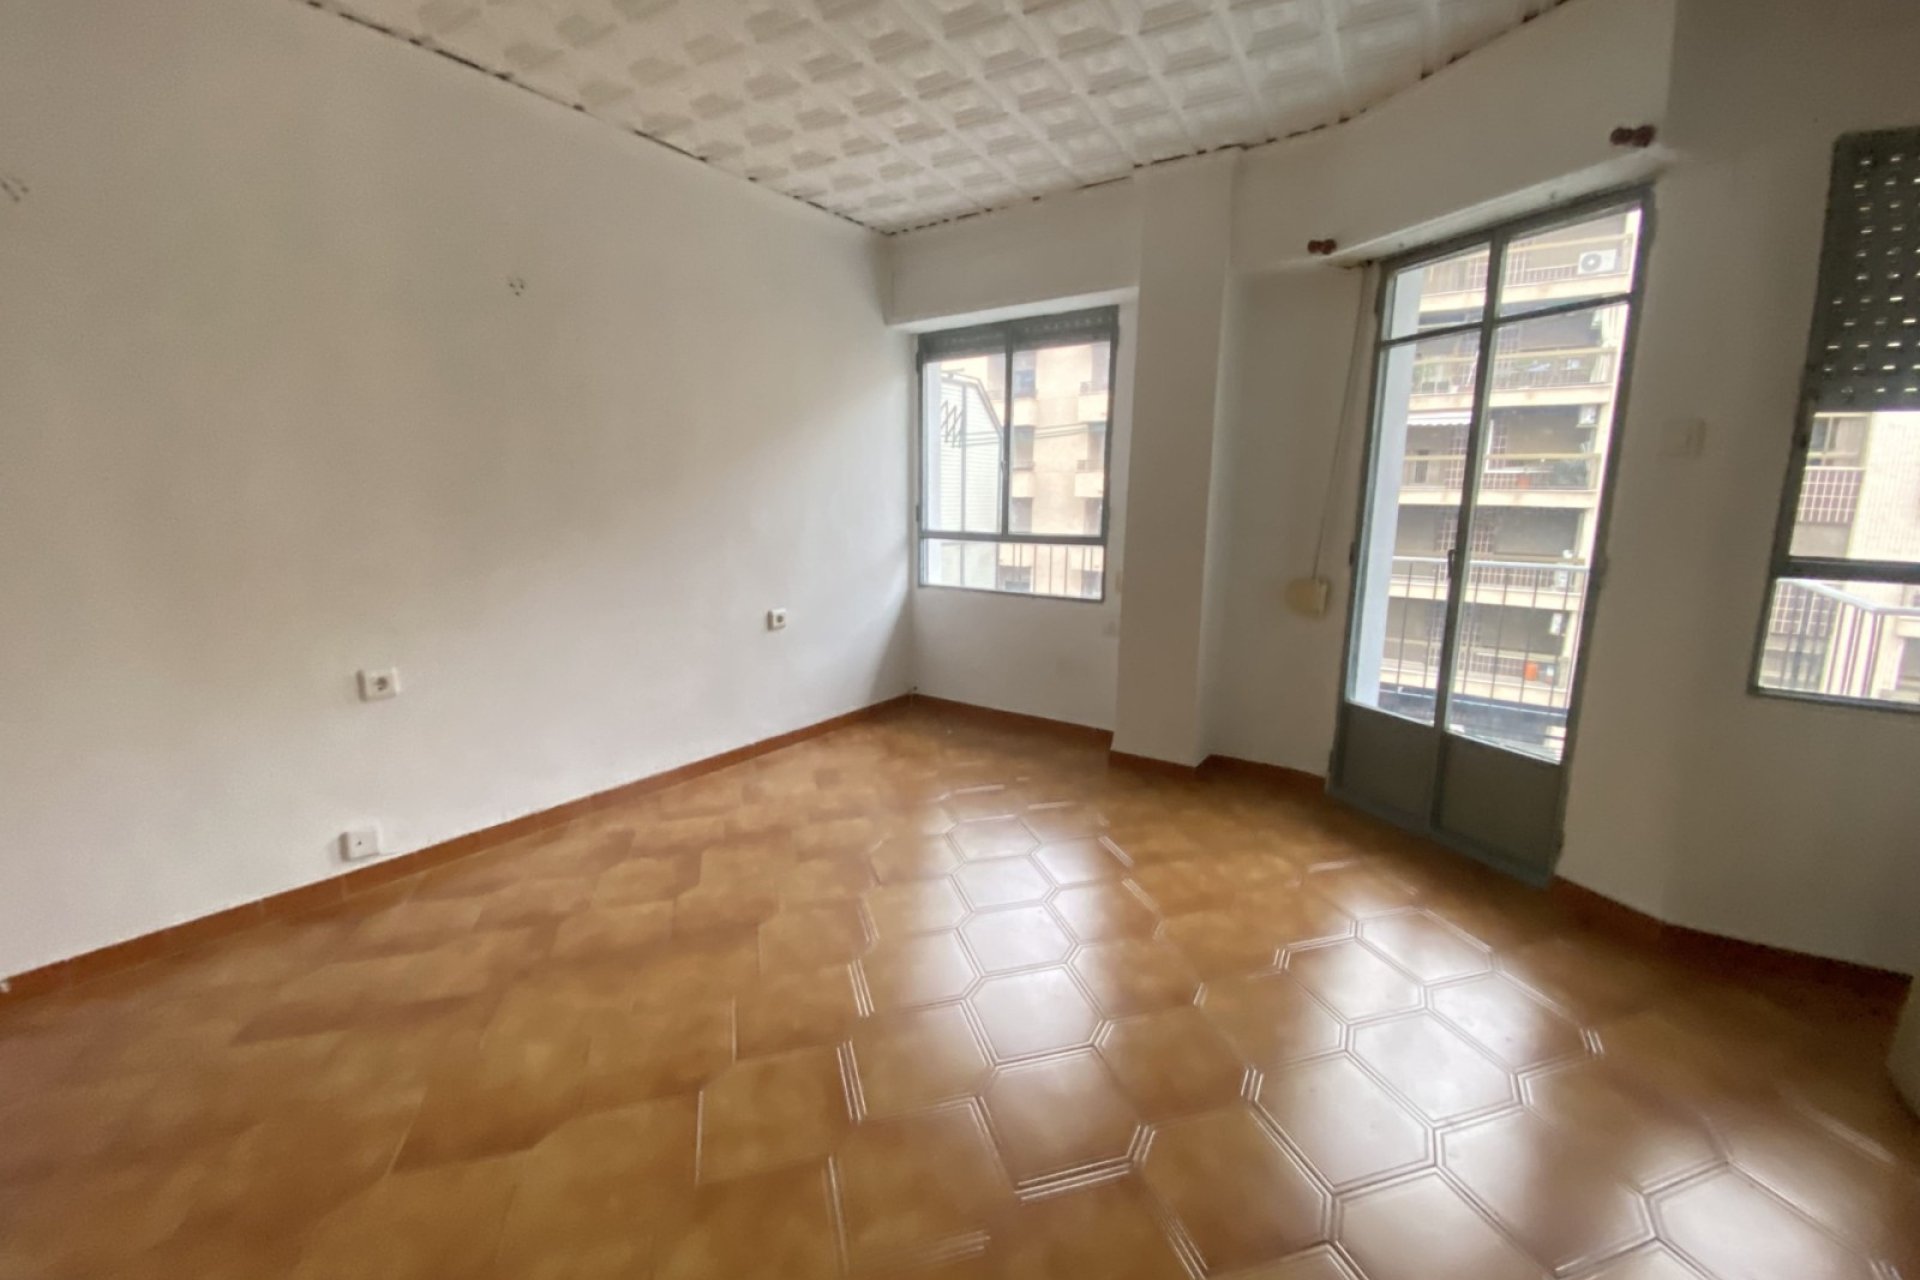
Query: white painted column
point(1185, 261)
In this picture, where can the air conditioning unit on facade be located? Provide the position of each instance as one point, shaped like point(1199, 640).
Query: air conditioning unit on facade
point(1597, 262)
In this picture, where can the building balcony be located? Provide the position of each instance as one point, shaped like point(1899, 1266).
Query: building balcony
point(1512, 584)
point(1515, 372)
point(1540, 273)
point(1504, 474)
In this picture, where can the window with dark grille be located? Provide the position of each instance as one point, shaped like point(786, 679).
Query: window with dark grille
point(1841, 623)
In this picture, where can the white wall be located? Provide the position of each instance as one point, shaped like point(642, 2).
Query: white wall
point(269, 412)
point(1276, 682)
point(1769, 820)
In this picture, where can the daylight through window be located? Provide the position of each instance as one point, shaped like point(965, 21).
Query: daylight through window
point(1013, 455)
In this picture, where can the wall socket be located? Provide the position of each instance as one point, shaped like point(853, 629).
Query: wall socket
point(776, 619)
point(359, 844)
point(377, 685)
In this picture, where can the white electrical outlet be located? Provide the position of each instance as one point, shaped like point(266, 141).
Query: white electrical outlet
point(359, 844)
point(776, 619)
point(376, 685)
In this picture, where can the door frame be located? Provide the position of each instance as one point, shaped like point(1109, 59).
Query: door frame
point(1496, 236)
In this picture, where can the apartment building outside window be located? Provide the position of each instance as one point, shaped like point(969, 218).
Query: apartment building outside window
point(1014, 454)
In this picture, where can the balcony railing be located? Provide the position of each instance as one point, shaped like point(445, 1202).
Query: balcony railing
point(1825, 639)
point(1048, 569)
point(1503, 658)
point(1534, 265)
point(1452, 375)
point(1565, 472)
point(1830, 495)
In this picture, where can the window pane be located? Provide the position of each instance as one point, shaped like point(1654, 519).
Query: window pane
point(1860, 498)
point(1058, 467)
point(1425, 404)
point(1543, 452)
point(962, 414)
point(1026, 568)
point(1843, 640)
point(1593, 258)
point(1438, 295)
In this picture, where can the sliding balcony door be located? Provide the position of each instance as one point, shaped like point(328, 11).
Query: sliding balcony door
point(1500, 366)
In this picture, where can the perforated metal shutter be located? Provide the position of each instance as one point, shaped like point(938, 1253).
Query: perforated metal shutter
point(1865, 352)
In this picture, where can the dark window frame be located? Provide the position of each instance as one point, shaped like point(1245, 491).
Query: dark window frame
point(1844, 375)
point(1005, 339)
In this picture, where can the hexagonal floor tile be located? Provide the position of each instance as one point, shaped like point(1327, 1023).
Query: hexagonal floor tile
point(1172, 1063)
point(925, 969)
point(794, 1009)
point(1349, 1127)
point(1104, 911)
point(1002, 882)
point(915, 906)
point(1647, 1139)
point(809, 937)
point(1271, 1019)
point(913, 858)
point(1320, 1263)
point(1240, 1197)
point(1423, 1229)
point(1109, 1230)
point(1081, 861)
point(777, 1224)
point(1066, 820)
point(1432, 1066)
point(1354, 981)
point(1736, 1229)
point(993, 800)
point(1361, 888)
point(1190, 884)
point(909, 1184)
point(1136, 975)
point(916, 1058)
point(1424, 947)
point(1018, 938)
point(992, 838)
point(1059, 1116)
point(1501, 1017)
point(1224, 944)
point(1549, 1192)
point(762, 1113)
point(1030, 1013)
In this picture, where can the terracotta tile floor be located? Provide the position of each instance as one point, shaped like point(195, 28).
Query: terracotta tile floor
point(924, 997)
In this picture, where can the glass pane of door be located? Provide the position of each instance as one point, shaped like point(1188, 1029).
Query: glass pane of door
point(1542, 456)
point(1425, 404)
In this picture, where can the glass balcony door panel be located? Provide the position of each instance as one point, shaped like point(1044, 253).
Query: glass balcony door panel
point(1057, 464)
point(964, 460)
point(1595, 257)
point(1504, 803)
point(1387, 763)
point(1424, 399)
point(1476, 554)
point(1529, 559)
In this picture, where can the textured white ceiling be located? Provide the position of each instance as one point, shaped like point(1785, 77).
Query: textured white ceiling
point(898, 113)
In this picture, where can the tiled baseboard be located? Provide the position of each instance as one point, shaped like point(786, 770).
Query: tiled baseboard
point(1582, 904)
